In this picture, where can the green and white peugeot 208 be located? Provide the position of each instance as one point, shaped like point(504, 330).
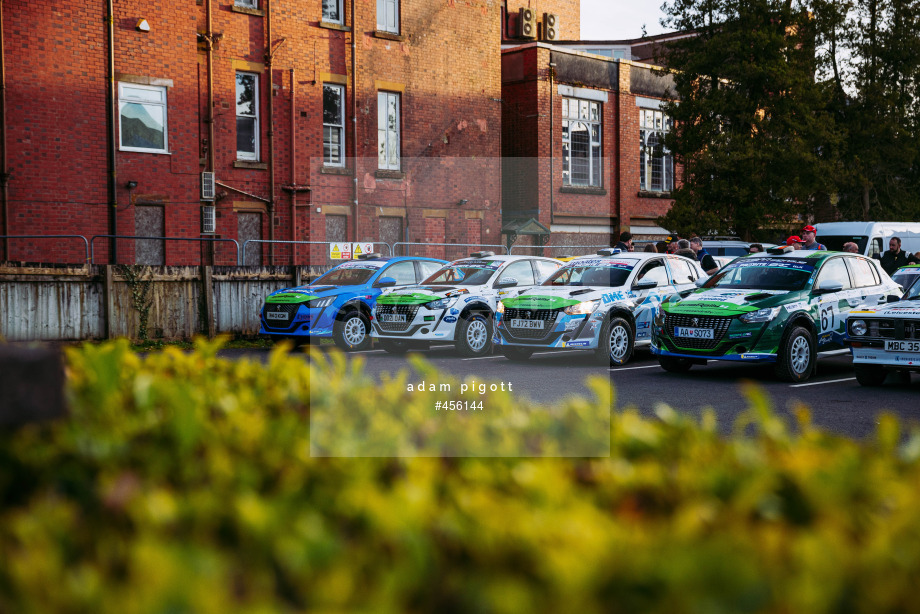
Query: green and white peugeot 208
point(781, 307)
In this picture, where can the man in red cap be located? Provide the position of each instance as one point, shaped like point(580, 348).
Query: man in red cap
point(808, 238)
point(794, 241)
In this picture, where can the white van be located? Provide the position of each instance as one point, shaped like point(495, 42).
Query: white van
point(871, 237)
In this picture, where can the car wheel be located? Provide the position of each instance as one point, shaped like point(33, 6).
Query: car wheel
point(515, 353)
point(675, 365)
point(796, 360)
point(615, 345)
point(474, 335)
point(394, 347)
point(870, 375)
point(351, 332)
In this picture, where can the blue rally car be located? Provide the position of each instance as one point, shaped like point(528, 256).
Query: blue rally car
point(338, 304)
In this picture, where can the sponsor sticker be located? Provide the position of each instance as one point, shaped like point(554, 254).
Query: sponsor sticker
point(454, 312)
point(576, 344)
point(450, 319)
point(641, 325)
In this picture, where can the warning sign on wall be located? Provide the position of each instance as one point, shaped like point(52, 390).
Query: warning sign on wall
point(361, 248)
point(335, 251)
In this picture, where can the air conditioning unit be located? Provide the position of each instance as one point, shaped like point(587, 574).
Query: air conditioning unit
point(208, 219)
point(527, 24)
point(550, 26)
point(207, 186)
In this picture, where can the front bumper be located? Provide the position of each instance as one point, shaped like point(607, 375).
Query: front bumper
point(560, 330)
point(876, 354)
point(301, 321)
point(734, 340)
point(421, 323)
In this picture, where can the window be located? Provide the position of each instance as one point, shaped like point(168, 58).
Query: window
point(521, 270)
point(142, 117)
point(388, 131)
point(388, 16)
point(682, 271)
point(402, 272)
point(545, 268)
point(333, 125)
point(863, 272)
point(332, 11)
point(249, 4)
point(656, 165)
point(247, 116)
point(653, 271)
point(581, 142)
point(835, 270)
point(428, 267)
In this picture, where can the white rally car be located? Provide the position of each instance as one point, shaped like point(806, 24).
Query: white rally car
point(457, 303)
point(885, 337)
point(604, 303)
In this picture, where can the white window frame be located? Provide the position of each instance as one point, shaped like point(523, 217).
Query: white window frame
point(339, 9)
point(654, 123)
point(388, 137)
point(340, 126)
point(127, 99)
point(388, 16)
point(246, 155)
point(591, 114)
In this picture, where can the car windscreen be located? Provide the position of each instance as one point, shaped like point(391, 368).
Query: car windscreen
point(595, 272)
point(835, 243)
point(907, 278)
point(764, 274)
point(349, 274)
point(465, 273)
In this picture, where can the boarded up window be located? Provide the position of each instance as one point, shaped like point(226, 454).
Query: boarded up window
point(391, 230)
point(149, 222)
point(249, 227)
point(336, 227)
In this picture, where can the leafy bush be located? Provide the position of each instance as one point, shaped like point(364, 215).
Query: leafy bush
point(184, 483)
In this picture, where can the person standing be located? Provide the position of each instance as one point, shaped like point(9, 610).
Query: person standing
point(808, 239)
point(755, 248)
point(895, 257)
point(794, 242)
point(851, 247)
point(683, 249)
point(706, 261)
point(625, 244)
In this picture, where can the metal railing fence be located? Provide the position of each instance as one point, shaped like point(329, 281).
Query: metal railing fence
point(327, 243)
point(92, 247)
point(86, 259)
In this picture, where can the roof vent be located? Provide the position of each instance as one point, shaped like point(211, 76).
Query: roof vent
point(481, 254)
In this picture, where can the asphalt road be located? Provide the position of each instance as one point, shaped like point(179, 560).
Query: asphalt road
point(836, 401)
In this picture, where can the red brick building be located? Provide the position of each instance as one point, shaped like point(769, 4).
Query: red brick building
point(582, 134)
point(321, 120)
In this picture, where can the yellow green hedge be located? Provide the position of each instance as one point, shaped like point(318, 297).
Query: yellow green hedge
point(184, 483)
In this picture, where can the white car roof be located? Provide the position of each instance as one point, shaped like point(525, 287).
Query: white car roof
point(503, 258)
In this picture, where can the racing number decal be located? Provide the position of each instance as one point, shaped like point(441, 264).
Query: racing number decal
point(828, 316)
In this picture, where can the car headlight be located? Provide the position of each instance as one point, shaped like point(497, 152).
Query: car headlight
point(500, 308)
point(761, 315)
point(440, 303)
point(858, 328)
point(321, 302)
point(582, 308)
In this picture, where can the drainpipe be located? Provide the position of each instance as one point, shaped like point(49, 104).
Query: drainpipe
point(293, 170)
point(209, 39)
point(110, 120)
point(617, 158)
point(4, 168)
point(354, 111)
point(271, 134)
point(552, 133)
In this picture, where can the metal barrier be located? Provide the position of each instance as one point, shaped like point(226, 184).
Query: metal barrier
point(327, 243)
point(92, 247)
point(85, 243)
point(447, 245)
point(567, 249)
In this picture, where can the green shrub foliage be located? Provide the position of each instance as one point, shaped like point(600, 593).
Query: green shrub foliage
point(184, 483)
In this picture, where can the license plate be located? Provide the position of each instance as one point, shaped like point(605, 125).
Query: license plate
point(902, 346)
point(392, 317)
point(275, 315)
point(695, 333)
point(518, 323)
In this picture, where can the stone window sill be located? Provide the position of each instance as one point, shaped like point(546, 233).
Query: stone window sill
point(336, 170)
point(382, 174)
point(389, 36)
point(247, 11)
point(647, 194)
point(331, 25)
point(571, 189)
point(261, 166)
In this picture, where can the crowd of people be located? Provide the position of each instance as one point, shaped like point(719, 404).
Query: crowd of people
point(692, 248)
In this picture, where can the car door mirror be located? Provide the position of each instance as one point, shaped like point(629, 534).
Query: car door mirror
point(506, 282)
point(645, 284)
point(828, 285)
point(892, 298)
point(385, 282)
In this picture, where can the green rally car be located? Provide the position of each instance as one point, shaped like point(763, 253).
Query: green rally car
point(781, 307)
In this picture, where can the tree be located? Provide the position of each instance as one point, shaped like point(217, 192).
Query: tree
point(752, 127)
